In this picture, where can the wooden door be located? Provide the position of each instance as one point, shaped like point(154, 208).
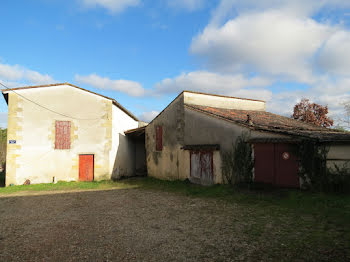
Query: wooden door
point(86, 167)
point(286, 166)
point(202, 167)
point(276, 164)
point(195, 165)
point(264, 163)
point(207, 167)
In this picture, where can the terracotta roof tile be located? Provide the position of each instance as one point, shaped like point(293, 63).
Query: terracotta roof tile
point(266, 121)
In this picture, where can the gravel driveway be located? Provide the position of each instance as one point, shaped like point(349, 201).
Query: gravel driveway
point(146, 225)
point(116, 225)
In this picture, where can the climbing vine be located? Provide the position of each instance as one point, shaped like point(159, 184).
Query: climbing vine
point(315, 173)
point(313, 164)
point(237, 163)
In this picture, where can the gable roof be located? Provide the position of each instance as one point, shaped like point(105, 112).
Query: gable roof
point(5, 91)
point(269, 122)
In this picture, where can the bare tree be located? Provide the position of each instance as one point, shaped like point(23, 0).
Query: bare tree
point(345, 119)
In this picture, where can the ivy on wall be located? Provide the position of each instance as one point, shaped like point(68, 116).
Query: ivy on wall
point(237, 163)
point(3, 143)
point(315, 173)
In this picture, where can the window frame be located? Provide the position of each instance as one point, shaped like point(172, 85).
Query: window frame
point(62, 135)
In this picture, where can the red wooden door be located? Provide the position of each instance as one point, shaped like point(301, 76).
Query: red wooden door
point(86, 167)
point(276, 164)
point(264, 163)
point(286, 166)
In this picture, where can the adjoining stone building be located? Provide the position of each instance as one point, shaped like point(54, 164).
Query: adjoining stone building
point(64, 132)
point(187, 139)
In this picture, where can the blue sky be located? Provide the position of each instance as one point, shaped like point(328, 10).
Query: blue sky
point(143, 53)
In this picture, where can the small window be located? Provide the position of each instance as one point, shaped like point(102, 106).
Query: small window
point(159, 138)
point(62, 135)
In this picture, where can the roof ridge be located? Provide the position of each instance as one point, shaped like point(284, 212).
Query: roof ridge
point(35, 86)
point(201, 93)
point(115, 102)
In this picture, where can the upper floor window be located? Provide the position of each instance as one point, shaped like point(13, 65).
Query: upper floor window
point(159, 138)
point(62, 135)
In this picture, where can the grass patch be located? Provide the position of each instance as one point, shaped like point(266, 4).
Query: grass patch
point(64, 186)
point(182, 187)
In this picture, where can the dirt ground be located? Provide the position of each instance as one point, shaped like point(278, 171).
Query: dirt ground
point(125, 225)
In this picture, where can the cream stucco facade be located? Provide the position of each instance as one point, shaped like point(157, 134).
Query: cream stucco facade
point(97, 127)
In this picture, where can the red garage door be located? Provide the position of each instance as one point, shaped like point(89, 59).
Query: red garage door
point(276, 164)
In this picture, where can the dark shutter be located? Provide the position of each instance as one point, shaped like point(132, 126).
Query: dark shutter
point(159, 138)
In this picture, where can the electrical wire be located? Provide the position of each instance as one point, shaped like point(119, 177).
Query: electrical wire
point(53, 111)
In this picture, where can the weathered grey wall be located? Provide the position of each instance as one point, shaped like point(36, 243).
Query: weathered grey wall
point(182, 126)
point(203, 129)
point(167, 163)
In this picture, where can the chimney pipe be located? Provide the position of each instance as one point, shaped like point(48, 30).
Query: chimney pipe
point(249, 120)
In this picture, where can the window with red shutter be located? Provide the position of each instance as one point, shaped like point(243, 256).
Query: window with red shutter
point(159, 138)
point(62, 135)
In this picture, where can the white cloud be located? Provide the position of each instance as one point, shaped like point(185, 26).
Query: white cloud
point(203, 81)
point(22, 75)
point(326, 92)
point(37, 78)
point(148, 116)
point(300, 8)
point(125, 86)
point(275, 41)
point(335, 54)
point(271, 42)
point(114, 6)
point(189, 5)
point(281, 40)
point(10, 72)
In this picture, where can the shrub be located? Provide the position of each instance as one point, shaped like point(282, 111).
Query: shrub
point(339, 177)
point(314, 172)
point(237, 163)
